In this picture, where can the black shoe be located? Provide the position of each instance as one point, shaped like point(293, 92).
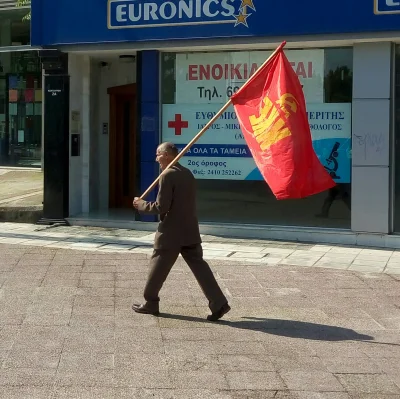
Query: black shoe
point(219, 313)
point(142, 309)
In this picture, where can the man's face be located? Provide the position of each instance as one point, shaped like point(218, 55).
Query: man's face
point(163, 158)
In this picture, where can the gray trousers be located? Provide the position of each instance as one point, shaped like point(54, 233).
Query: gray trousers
point(161, 264)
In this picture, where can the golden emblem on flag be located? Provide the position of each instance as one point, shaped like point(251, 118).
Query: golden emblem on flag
point(270, 127)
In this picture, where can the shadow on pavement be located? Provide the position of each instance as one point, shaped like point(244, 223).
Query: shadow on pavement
point(286, 328)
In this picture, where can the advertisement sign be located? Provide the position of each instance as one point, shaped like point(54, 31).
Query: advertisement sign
point(141, 14)
point(213, 79)
point(387, 7)
point(222, 154)
point(124, 21)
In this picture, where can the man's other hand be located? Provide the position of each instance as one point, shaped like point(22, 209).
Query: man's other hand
point(136, 202)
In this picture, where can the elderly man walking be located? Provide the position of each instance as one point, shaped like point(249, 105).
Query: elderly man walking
point(177, 233)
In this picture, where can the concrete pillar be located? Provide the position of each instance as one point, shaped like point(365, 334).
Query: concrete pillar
point(371, 137)
point(85, 133)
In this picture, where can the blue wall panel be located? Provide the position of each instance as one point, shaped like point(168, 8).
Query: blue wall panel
point(149, 106)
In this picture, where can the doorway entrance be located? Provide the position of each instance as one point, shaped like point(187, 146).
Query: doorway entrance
point(122, 142)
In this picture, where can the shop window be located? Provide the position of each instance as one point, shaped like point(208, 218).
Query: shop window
point(14, 29)
point(230, 187)
point(20, 109)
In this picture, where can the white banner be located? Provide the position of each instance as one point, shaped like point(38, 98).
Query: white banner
point(204, 78)
point(222, 153)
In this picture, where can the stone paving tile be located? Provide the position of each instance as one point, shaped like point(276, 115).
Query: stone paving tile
point(288, 349)
point(25, 359)
point(140, 361)
point(86, 340)
point(390, 323)
point(319, 395)
point(242, 363)
point(246, 255)
point(34, 377)
point(3, 356)
point(80, 392)
point(381, 350)
point(39, 338)
point(317, 381)
point(390, 366)
point(368, 383)
point(42, 319)
point(96, 283)
point(22, 392)
point(337, 250)
point(198, 379)
point(298, 261)
point(86, 320)
point(97, 276)
point(358, 395)
point(395, 378)
point(143, 379)
point(91, 378)
point(351, 365)
point(335, 262)
point(70, 361)
point(258, 380)
point(190, 361)
point(190, 334)
point(301, 363)
point(138, 393)
point(367, 268)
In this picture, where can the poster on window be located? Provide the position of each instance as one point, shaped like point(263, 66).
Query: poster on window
point(222, 154)
point(213, 77)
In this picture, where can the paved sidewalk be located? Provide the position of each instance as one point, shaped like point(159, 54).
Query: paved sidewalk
point(21, 194)
point(266, 252)
point(67, 329)
point(21, 187)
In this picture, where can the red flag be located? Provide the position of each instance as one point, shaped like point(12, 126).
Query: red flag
point(272, 113)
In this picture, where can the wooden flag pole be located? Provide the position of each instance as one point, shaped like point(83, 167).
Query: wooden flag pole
point(207, 126)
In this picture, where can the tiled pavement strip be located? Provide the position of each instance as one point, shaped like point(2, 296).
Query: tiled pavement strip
point(295, 331)
point(233, 250)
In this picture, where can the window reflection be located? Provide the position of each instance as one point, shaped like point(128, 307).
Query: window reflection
point(251, 201)
point(14, 30)
point(20, 109)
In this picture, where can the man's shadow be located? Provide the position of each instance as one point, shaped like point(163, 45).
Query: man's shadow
point(286, 328)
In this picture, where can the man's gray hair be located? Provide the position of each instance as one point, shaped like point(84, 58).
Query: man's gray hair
point(169, 148)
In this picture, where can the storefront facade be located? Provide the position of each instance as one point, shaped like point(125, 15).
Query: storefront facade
point(146, 72)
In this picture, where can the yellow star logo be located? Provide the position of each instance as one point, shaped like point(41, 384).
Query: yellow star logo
point(242, 19)
point(248, 3)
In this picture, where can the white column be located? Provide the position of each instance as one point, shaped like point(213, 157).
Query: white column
point(75, 71)
point(371, 135)
point(42, 146)
point(85, 134)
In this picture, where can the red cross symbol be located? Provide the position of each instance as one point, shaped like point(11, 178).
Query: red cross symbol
point(178, 124)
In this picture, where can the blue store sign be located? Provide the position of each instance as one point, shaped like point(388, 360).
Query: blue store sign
point(387, 7)
point(140, 14)
point(67, 21)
